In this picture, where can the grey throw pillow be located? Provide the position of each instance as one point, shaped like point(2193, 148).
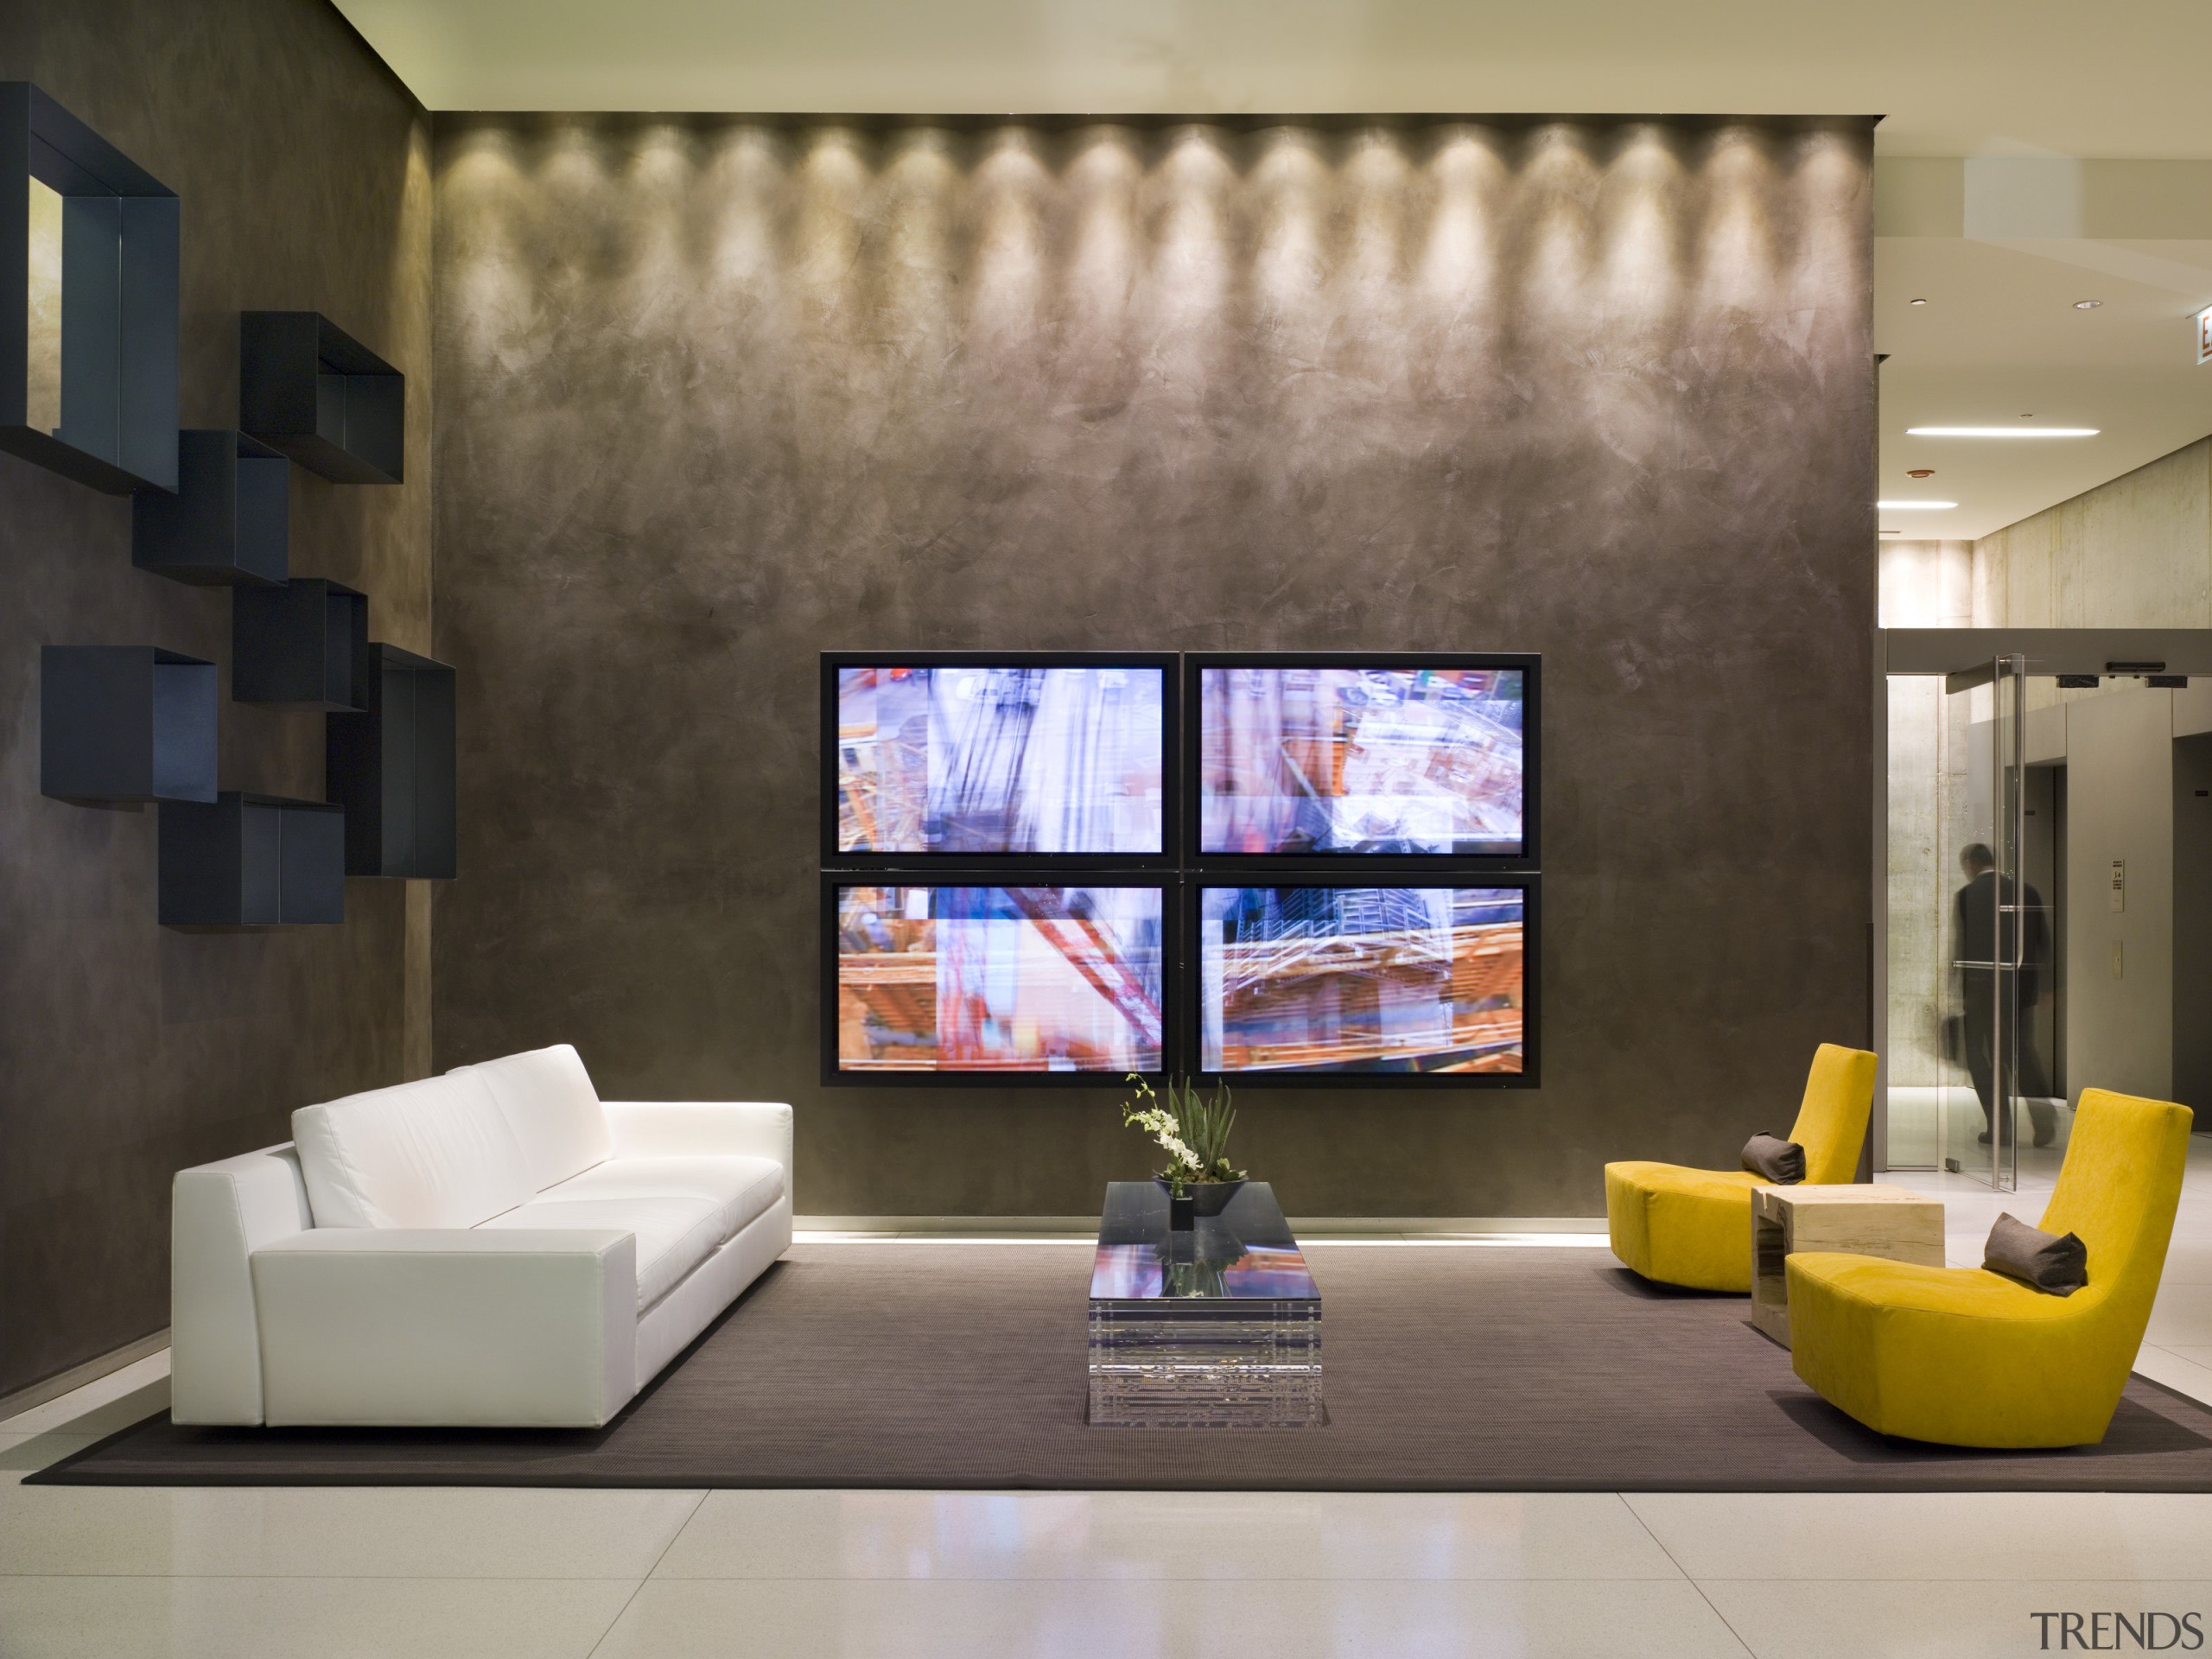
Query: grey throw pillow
point(1771, 1158)
point(2057, 1263)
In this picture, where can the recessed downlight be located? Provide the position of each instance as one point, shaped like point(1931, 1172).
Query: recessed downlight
point(2087, 305)
point(1915, 507)
point(1916, 301)
point(1920, 472)
point(2001, 431)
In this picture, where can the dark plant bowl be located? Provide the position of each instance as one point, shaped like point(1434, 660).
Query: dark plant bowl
point(1207, 1197)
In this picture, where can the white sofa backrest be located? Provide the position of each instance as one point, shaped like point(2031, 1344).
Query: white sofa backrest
point(433, 1153)
point(552, 1108)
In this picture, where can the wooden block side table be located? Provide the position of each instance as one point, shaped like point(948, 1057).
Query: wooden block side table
point(1890, 1221)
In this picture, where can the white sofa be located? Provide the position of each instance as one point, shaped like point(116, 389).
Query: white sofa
point(496, 1247)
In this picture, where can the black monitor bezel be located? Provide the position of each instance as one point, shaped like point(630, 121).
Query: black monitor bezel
point(1169, 858)
point(1530, 663)
point(1173, 931)
point(1190, 1042)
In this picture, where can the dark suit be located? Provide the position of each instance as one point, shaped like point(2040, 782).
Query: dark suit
point(1976, 927)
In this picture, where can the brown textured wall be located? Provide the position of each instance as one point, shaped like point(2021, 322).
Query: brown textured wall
point(716, 395)
point(127, 1051)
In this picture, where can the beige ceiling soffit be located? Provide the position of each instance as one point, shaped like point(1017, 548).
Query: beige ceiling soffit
point(1917, 195)
point(2005, 198)
point(2182, 268)
point(2057, 198)
point(2030, 78)
point(2142, 221)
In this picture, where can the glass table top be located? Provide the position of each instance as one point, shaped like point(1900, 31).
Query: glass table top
point(1246, 1253)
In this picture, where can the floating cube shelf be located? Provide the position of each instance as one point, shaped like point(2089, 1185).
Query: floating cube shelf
point(88, 302)
point(300, 644)
point(253, 861)
point(229, 518)
point(125, 723)
point(319, 395)
point(391, 767)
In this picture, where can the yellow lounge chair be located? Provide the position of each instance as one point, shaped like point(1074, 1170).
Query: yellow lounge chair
point(1964, 1356)
point(1693, 1227)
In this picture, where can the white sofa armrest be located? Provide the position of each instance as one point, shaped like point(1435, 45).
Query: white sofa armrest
point(221, 1213)
point(405, 1325)
point(673, 1128)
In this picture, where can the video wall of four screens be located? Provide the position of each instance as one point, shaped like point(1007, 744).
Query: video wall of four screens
point(1261, 866)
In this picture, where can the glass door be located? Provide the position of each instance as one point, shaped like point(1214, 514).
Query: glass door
point(1993, 935)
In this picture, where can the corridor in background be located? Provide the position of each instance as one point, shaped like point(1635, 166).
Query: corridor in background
point(2048, 889)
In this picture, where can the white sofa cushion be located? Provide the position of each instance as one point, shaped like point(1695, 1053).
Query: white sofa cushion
point(553, 1109)
point(682, 1209)
point(740, 1189)
point(433, 1153)
point(674, 1235)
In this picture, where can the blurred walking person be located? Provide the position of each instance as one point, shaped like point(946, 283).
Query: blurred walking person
point(1982, 904)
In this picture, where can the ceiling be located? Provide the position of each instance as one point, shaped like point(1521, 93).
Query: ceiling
point(2028, 76)
point(2001, 245)
point(2002, 252)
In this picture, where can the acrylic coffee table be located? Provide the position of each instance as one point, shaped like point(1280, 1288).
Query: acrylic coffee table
point(1219, 1327)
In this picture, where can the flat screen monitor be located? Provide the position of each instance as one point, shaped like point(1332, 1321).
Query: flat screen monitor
point(1323, 980)
point(967, 979)
point(1382, 756)
point(970, 757)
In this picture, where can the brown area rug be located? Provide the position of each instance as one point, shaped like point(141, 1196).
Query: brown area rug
point(962, 1365)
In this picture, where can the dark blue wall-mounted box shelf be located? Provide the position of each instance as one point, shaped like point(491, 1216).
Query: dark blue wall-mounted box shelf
point(229, 518)
point(391, 767)
point(300, 646)
point(125, 723)
point(319, 395)
point(88, 302)
point(253, 861)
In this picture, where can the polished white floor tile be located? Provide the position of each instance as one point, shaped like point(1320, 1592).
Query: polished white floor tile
point(1991, 1536)
point(2188, 1261)
point(1778, 1620)
point(305, 1619)
point(2185, 1370)
point(351, 1532)
point(2182, 1317)
point(1164, 1535)
point(1252, 1619)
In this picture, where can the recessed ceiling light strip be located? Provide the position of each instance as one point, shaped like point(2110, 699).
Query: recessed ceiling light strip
point(2001, 431)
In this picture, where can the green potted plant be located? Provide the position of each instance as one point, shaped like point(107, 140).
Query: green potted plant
point(1194, 1133)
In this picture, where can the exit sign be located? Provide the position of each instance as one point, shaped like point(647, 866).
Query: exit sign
point(2205, 336)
